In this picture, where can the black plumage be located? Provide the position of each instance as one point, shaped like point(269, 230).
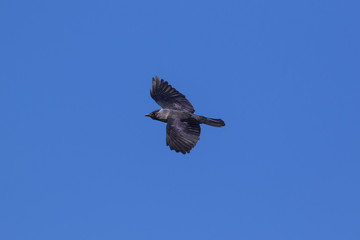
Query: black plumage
point(183, 127)
point(168, 97)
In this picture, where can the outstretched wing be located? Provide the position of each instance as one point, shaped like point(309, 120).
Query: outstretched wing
point(182, 135)
point(168, 97)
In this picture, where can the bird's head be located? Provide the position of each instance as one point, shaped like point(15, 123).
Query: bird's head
point(152, 114)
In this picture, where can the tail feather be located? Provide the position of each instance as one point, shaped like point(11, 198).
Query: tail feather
point(212, 122)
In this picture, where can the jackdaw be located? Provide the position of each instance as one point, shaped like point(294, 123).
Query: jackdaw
point(183, 126)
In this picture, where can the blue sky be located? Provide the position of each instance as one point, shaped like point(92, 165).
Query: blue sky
point(80, 161)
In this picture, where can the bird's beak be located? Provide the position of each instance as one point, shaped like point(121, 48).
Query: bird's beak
point(147, 115)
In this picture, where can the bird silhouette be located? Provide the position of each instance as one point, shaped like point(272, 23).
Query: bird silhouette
point(183, 126)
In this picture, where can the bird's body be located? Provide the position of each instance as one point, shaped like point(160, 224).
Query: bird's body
point(183, 126)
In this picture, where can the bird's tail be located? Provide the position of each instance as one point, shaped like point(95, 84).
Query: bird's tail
point(212, 122)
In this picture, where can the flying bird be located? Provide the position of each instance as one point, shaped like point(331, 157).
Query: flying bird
point(183, 126)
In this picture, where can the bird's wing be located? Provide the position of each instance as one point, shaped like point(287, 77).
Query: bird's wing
point(168, 97)
point(182, 135)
